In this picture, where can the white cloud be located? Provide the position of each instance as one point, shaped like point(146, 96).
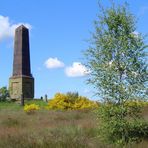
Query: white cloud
point(53, 63)
point(7, 29)
point(76, 70)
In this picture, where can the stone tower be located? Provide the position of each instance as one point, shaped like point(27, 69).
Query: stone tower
point(22, 81)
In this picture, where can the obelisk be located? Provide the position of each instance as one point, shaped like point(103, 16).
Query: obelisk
point(22, 81)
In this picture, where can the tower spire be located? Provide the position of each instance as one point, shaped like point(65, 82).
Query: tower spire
point(21, 61)
point(21, 81)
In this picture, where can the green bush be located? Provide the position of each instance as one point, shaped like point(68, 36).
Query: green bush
point(4, 94)
point(117, 127)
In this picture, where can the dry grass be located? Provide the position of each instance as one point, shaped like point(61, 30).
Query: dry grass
point(50, 129)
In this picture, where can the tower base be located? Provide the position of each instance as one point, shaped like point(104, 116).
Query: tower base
point(23, 85)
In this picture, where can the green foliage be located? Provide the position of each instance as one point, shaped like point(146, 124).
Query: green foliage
point(4, 94)
point(116, 59)
point(121, 125)
point(70, 101)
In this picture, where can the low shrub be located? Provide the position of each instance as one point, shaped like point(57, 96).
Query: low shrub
point(121, 125)
point(70, 101)
point(31, 108)
point(84, 103)
point(140, 103)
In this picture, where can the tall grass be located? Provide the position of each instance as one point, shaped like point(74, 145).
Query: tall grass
point(50, 129)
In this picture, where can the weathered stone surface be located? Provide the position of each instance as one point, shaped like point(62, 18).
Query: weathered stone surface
point(21, 81)
point(21, 85)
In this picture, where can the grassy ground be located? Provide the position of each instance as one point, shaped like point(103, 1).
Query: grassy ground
point(50, 129)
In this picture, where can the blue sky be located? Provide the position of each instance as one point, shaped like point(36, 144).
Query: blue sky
point(58, 30)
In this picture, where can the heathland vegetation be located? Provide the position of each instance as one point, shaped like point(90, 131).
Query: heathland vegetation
point(40, 124)
point(44, 128)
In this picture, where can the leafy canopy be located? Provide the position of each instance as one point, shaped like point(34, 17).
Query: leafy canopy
point(116, 59)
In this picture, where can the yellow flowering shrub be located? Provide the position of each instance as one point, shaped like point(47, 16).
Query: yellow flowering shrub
point(84, 103)
point(67, 102)
point(31, 108)
point(136, 103)
point(60, 101)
